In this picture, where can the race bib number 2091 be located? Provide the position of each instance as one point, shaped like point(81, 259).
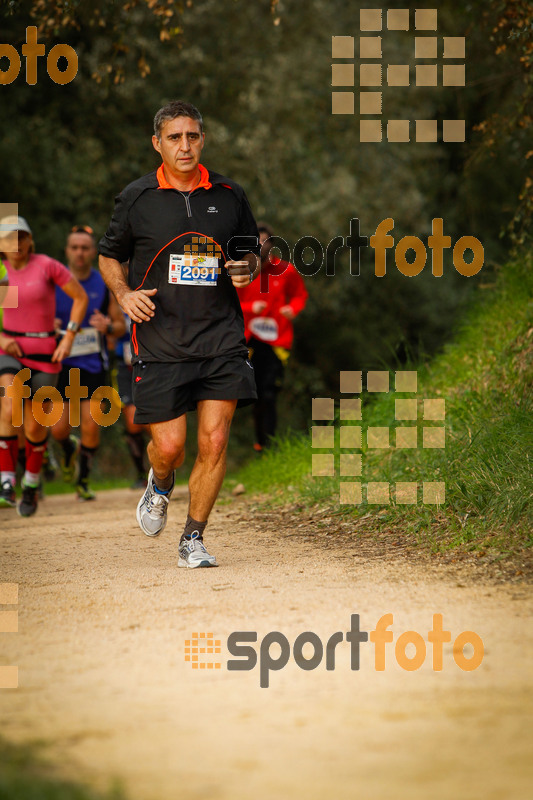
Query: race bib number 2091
point(192, 270)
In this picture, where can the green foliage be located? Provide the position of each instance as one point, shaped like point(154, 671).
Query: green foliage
point(490, 471)
point(261, 74)
point(24, 775)
point(505, 132)
point(276, 472)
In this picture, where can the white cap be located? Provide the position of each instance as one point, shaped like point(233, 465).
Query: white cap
point(13, 223)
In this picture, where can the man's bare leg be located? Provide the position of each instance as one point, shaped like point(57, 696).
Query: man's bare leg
point(214, 422)
point(166, 452)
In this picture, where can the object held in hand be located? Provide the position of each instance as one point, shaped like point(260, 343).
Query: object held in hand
point(240, 268)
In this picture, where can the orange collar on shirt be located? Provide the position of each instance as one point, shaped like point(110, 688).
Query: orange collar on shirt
point(204, 182)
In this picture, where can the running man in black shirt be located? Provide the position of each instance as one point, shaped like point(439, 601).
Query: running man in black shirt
point(189, 238)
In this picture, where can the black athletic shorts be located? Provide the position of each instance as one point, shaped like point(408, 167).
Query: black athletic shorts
point(91, 380)
point(163, 391)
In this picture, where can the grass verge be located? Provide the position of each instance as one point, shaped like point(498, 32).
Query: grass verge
point(485, 377)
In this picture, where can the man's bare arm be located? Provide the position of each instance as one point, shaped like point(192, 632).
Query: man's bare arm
point(137, 304)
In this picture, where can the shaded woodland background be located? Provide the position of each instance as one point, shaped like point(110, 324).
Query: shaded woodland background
point(260, 72)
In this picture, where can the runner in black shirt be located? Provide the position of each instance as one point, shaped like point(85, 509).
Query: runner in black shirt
point(189, 238)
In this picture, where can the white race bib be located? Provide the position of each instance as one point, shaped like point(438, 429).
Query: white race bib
point(86, 342)
point(264, 328)
point(192, 270)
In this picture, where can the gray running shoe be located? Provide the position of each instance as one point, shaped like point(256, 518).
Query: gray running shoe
point(152, 508)
point(192, 553)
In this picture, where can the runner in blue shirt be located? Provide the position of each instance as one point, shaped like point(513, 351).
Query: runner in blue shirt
point(88, 354)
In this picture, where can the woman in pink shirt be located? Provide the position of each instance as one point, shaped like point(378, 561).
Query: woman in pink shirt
point(28, 342)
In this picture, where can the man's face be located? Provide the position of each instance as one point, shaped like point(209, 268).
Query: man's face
point(80, 251)
point(181, 145)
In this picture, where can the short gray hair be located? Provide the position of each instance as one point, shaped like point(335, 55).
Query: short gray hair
point(172, 110)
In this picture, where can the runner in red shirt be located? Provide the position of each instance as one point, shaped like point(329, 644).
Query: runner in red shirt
point(269, 305)
point(28, 341)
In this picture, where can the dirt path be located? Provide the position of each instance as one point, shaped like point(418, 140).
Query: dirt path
point(104, 614)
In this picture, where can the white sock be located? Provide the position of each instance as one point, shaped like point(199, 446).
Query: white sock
point(7, 476)
point(31, 478)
